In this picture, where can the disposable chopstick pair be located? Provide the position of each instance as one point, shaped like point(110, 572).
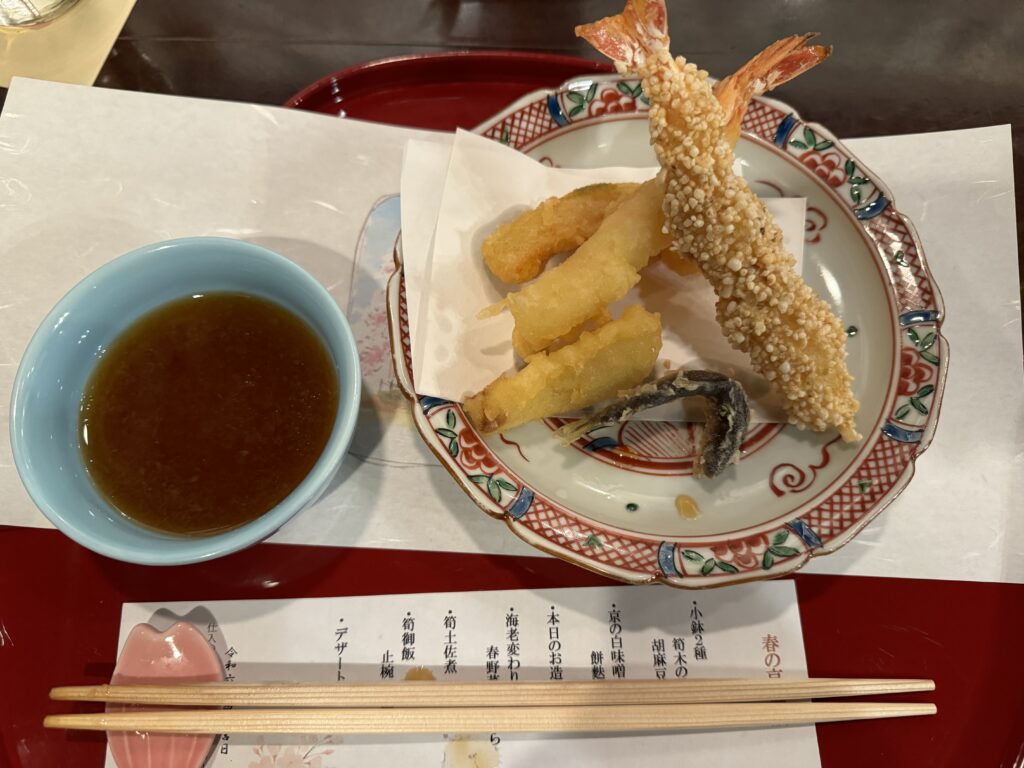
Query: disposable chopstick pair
point(424, 707)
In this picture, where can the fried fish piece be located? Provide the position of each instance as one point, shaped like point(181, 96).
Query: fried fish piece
point(518, 250)
point(728, 414)
point(617, 356)
point(601, 271)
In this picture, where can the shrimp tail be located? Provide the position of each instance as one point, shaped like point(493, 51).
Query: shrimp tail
point(628, 37)
point(779, 63)
point(642, 28)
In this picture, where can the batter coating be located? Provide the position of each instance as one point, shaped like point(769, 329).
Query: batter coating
point(764, 307)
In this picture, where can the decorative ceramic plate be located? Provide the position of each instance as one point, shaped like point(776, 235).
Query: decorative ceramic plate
point(608, 502)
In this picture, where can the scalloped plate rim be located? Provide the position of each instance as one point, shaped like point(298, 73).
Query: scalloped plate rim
point(685, 580)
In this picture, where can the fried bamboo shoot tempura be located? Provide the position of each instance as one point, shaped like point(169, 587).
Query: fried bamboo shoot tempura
point(518, 250)
point(764, 307)
point(601, 271)
point(591, 324)
point(617, 356)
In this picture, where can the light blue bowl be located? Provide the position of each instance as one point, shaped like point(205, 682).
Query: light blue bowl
point(64, 350)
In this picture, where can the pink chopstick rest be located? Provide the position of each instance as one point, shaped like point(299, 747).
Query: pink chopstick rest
point(181, 654)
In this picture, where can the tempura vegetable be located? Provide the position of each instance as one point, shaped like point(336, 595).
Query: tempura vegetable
point(518, 250)
point(764, 307)
point(617, 356)
point(601, 271)
point(591, 324)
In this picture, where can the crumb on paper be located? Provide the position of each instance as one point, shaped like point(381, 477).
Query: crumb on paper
point(464, 752)
point(419, 673)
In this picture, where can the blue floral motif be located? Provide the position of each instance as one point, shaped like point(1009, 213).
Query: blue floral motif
point(901, 434)
point(805, 532)
point(556, 110)
point(521, 505)
point(667, 559)
point(428, 403)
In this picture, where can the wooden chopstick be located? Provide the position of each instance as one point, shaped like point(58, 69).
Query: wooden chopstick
point(664, 717)
point(409, 695)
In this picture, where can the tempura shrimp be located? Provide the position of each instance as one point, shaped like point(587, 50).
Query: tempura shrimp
point(764, 307)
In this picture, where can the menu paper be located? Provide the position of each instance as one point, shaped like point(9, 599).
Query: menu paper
point(541, 635)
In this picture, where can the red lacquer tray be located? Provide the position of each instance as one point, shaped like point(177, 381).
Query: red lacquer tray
point(60, 604)
point(441, 91)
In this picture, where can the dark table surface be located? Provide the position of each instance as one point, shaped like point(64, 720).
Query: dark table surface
point(899, 67)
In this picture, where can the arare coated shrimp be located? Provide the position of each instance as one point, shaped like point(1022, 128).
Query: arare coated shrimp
point(764, 307)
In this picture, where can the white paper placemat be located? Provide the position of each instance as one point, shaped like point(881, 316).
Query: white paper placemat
point(88, 174)
point(568, 634)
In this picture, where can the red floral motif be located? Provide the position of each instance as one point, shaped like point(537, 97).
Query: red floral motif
point(913, 373)
point(743, 553)
point(828, 165)
point(815, 222)
point(473, 454)
point(610, 101)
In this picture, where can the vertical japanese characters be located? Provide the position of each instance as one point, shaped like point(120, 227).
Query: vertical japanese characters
point(493, 665)
point(700, 651)
point(679, 651)
point(340, 645)
point(451, 653)
point(409, 637)
point(512, 636)
point(772, 659)
point(548, 641)
point(658, 657)
point(618, 654)
point(554, 645)
point(387, 666)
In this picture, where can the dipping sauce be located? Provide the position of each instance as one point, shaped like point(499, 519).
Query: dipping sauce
point(207, 412)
